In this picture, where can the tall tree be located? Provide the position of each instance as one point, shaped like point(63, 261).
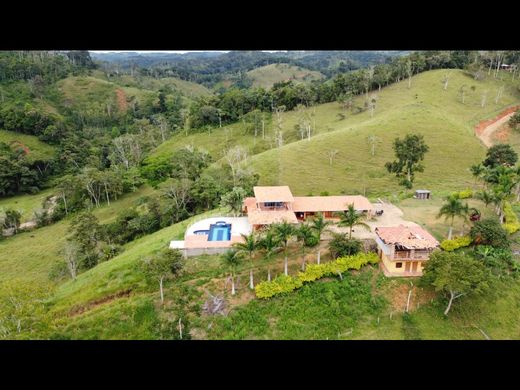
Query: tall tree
point(409, 152)
point(284, 231)
point(249, 245)
point(307, 239)
point(270, 244)
point(231, 260)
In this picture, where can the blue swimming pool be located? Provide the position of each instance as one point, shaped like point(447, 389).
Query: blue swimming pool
point(219, 232)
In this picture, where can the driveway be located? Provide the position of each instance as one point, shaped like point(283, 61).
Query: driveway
point(392, 216)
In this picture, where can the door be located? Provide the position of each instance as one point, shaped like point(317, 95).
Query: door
point(414, 266)
point(407, 266)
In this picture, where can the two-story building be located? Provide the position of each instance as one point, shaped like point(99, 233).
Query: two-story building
point(404, 249)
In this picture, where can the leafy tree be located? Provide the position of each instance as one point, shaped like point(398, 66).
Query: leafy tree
point(456, 275)
point(341, 246)
point(489, 231)
point(452, 208)
point(250, 245)
point(500, 154)
point(409, 152)
point(87, 233)
point(284, 231)
point(351, 218)
point(164, 265)
point(234, 199)
point(231, 260)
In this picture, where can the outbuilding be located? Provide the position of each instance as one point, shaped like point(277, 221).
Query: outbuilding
point(422, 194)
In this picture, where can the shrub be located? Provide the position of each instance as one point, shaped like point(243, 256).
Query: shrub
point(341, 246)
point(512, 224)
point(489, 231)
point(456, 243)
point(464, 194)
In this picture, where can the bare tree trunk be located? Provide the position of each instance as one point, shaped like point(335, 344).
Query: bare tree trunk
point(285, 266)
point(269, 274)
point(161, 288)
point(303, 262)
point(450, 232)
point(251, 283)
point(318, 258)
point(180, 328)
point(408, 300)
point(232, 285)
point(106, 193)
point(449, 304)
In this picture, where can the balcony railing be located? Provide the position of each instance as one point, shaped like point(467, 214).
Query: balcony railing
point(408, 255)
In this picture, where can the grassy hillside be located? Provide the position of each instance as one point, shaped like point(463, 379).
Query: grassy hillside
point(267, 76)
point(25, 204)
point(83, 91)
point(37, 150)
point(33, 254)
point(425, 108)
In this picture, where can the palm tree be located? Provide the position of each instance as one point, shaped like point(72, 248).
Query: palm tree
point(249, 246)
point(231, 259)
point(269, 243)
point(319, 224)
point(486, 197)
point(305, 237)
point(451, 209)
point(284, 231)
point(477, 171)
point(350, 218)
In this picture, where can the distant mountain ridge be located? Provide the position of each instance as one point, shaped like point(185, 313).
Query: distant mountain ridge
point(210, 68)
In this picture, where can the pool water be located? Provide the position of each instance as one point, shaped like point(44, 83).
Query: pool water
point(219, 232)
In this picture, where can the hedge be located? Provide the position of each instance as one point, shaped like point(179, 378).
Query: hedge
point(459, 242)
point(512, 224)
point(283, 284)
point(279, 285)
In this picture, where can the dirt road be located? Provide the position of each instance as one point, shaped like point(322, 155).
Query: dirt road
point(487, 135)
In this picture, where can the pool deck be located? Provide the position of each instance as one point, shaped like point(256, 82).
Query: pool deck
point(239, 225)
point(194, 243)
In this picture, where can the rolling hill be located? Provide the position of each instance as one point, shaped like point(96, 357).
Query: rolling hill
point(112, 300)
point(267, 76)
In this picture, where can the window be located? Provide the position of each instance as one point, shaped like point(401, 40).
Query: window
point(398, 265)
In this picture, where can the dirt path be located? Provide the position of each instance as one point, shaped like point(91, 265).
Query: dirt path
point(487, 135)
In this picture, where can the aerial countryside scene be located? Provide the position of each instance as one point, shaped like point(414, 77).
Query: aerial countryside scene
point(260, 195)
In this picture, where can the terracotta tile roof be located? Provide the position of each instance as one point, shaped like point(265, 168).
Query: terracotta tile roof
point(249, 203)
point(273, 194)
point(407, 236)
point(330, 203)
point(259, 217)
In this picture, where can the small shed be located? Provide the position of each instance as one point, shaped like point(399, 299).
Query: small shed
point(422, 194)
